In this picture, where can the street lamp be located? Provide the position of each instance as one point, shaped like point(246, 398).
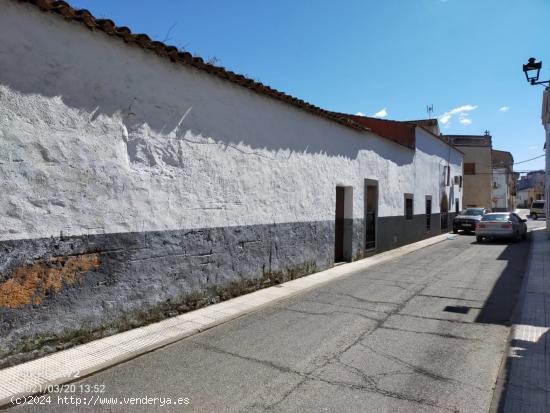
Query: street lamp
point(532, 72)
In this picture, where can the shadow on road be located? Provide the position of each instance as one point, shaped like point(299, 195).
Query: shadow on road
point(469, 233)
point(502, 300)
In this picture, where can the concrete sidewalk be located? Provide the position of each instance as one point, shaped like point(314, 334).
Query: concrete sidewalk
point(43, 374)
point(528, 363)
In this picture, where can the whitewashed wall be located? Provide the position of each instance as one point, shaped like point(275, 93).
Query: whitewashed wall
point(523, 197)
point(500, 188)
point(99, 136)
point(432, 155)
point(143, 182)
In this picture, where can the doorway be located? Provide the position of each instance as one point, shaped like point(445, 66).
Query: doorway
point(371, 213)
point(343, 236)
point(444, 210)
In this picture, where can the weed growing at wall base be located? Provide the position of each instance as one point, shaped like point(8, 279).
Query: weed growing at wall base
point(39, 345)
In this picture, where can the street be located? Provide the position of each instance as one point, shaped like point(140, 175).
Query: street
point(425, 332)
point(260, 208)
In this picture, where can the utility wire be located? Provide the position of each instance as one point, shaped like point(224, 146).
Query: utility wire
point(522, 171)
point(527, 160)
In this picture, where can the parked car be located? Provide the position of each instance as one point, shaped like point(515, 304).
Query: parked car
point(538, 209)
point(501, 225)
point(468, 219)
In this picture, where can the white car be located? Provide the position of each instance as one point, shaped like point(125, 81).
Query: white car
point(501, 225)
point(537, 209)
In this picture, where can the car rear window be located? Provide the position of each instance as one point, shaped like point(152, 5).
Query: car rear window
point(473, 211)
point(538, 205)
point(496, 217)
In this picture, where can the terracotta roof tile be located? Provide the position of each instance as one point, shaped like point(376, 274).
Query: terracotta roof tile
point(107, 26)
point(402, 133)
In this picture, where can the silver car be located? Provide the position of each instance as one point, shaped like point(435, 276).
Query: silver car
point(501, 225)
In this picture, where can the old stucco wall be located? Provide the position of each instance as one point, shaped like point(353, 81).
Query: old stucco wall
point(478, 187)
point(135, 187)
point(433, 155)
point(500, 194)
point(160, 129)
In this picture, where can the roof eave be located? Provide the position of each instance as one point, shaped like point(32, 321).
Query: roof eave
point(172, 53)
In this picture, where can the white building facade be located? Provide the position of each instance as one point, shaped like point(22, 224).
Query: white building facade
point(503, 194)
point(500, 192)
point(138, 183)
point(523, 198)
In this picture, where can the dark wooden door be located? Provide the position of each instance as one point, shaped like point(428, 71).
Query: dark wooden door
point(428, 214)
point(370, 218)
point(339, 225)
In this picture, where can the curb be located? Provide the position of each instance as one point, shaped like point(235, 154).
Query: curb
point(501, 384)
point(43, 374)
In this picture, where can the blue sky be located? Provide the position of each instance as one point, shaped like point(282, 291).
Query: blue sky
point(391, 57)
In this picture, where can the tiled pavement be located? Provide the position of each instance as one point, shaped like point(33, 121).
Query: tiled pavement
point(528, 384)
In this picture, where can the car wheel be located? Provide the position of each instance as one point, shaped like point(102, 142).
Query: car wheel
point(524, 236)
point(535, 216)
point(479, 238)
point(455, 231)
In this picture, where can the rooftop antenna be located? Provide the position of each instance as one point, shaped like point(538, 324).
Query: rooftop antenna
point(430, 110)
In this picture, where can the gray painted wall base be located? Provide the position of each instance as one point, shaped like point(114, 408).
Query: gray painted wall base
point(60, 291)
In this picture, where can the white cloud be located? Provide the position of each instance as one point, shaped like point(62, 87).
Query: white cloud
point(359, 114)
point(462, 111)
point(504, 109)
point(463, 108)
point(444, 118)
point(382, 113)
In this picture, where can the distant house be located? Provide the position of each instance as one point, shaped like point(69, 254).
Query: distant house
point(431, 147)
point(503, 194)
point(478, 168)
point(524, 198)
point(531, 187)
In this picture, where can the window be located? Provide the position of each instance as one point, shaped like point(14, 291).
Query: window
point(496, 217)
point(469, 169)
point(460, 182)
point(457, 204)
point(409, 207)
point(428, 212)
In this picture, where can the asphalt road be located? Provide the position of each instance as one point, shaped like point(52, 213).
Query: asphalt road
point(388, 339)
